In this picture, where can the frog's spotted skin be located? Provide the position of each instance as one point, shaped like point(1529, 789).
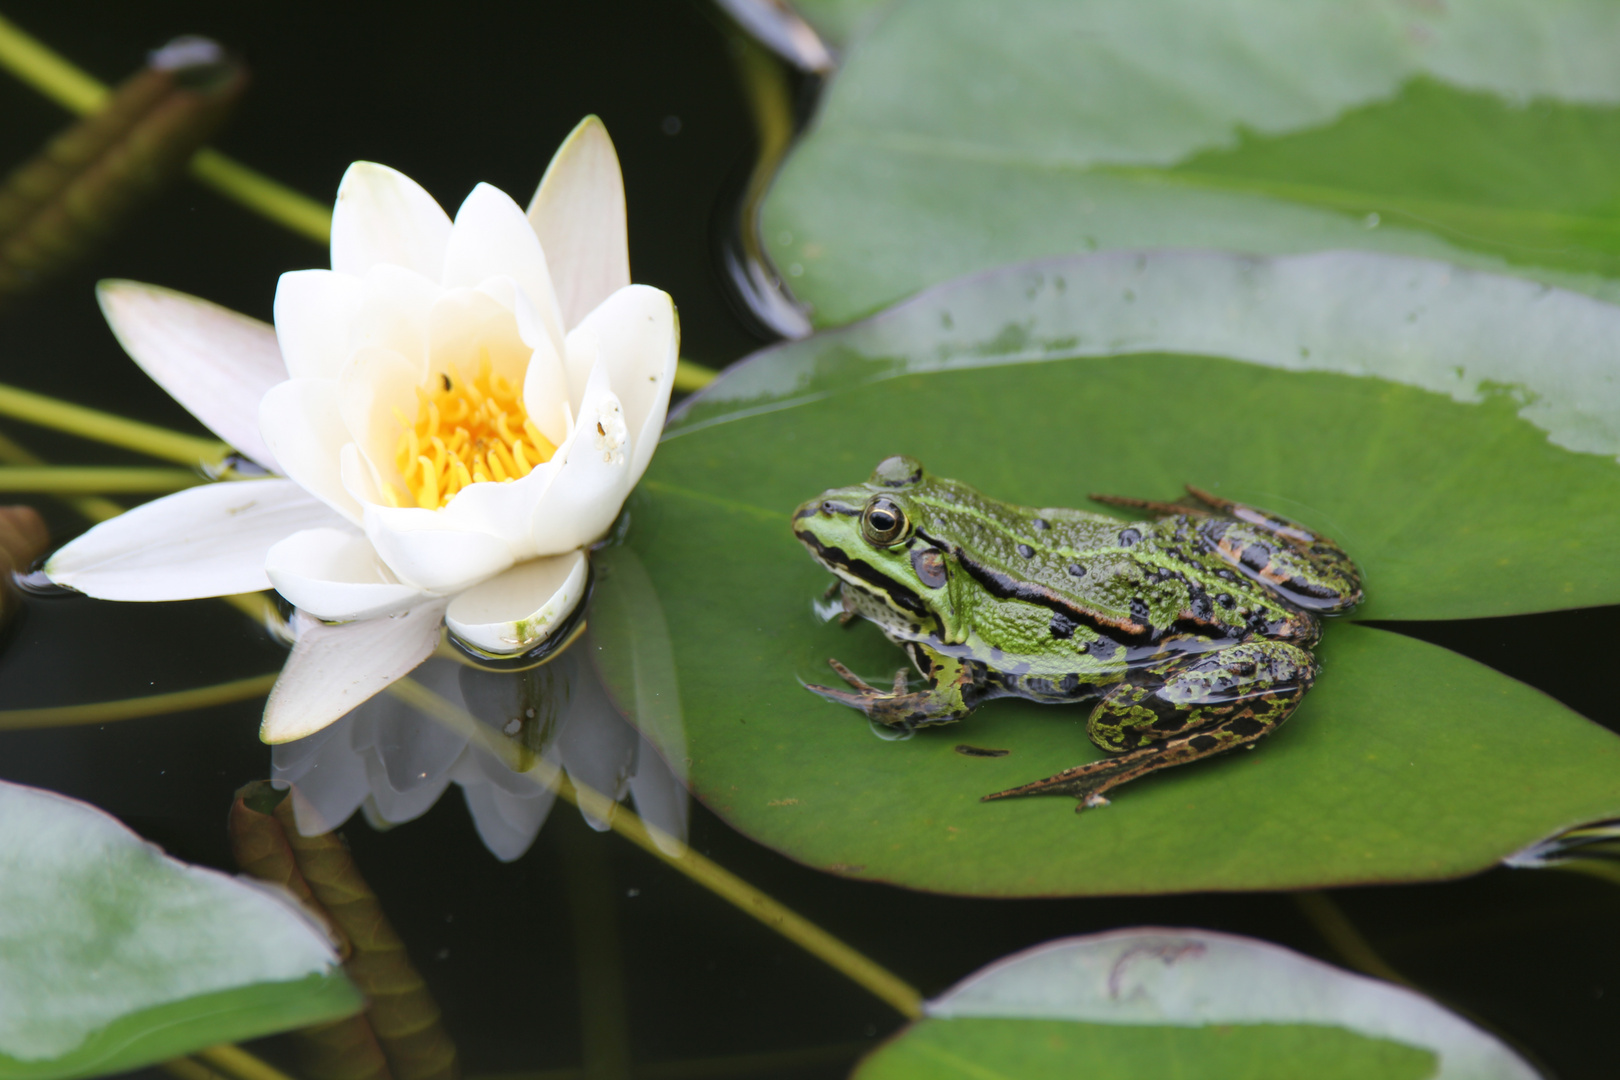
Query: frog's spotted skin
point(1192, 629)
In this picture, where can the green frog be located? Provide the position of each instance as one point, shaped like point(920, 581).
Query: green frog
point(1191, 631)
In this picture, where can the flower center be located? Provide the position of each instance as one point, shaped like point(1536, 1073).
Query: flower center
point(467, 431)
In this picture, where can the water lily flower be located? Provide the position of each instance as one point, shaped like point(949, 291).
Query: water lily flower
point(452, 413)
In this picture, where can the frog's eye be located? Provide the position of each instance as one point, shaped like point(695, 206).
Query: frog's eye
point(883, 522)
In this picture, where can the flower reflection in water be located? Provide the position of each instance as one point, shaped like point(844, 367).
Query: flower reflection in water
point(392, 759)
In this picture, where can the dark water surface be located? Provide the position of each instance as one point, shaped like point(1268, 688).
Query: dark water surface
point(586, 949)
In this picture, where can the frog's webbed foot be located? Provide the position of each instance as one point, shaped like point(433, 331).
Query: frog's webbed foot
point(952, 692)
point(1088, 782)
point(861, 684)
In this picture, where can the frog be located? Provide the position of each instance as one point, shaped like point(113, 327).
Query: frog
point(1189, 632)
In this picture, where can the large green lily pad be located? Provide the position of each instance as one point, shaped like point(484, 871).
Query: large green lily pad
point(1405, 762)
point(113, 956)
point(1189, 1004)
point(961, 135)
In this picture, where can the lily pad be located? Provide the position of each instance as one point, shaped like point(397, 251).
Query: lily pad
point(1406, 761)
point(1483, 134)
point(1184, 1003)
point(113, 956)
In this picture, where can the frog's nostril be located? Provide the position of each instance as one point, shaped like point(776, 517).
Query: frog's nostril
point(828, 508)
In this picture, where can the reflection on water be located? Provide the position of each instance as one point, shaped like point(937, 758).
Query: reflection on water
point(517, 732)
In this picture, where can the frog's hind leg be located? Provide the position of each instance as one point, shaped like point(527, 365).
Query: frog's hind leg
point(1163, 509)
point(1204, 706)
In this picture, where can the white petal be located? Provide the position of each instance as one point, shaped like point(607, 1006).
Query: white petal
point(425, 548)
point(491, 238)
point(544, 382)
point(332, 669)
point(394, 313)
point(375, 385)
point(467, 326)
point(592, 483)
point(304, 428)
point(360, 479)
point(637, 338)
point(216, 363)
point(578, 213)
point(515, 610)
point(315, 311)
point(336, 576)
point(205, 541)
point(502, 510)
point(383, 216)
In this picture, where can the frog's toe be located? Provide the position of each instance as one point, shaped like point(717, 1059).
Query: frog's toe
point(850, 677)
point(855, 699)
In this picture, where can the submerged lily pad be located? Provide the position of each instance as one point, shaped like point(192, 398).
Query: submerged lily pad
point(113, 956)
point(1184, 1003)
point(1484, 134)
point(1405, 762)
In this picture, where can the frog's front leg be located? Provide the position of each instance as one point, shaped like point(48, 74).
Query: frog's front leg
point(1196, 707)
point(955, 687)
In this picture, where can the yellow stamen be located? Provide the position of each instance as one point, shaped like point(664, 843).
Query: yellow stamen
point(427, 490)
point(466, 431)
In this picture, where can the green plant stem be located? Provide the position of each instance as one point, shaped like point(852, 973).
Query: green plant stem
point(267, 197)
point(598, 955)
point(81, 479)
point(32, 62)
point(93, 507)
point(149, 439)
point(102, 712)
point(235, 1062)
point(875, 979)
point(1339, 932)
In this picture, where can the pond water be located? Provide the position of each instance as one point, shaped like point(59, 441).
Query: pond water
point(586, 957)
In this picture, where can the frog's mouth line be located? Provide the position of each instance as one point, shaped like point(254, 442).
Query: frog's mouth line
point(865, 576)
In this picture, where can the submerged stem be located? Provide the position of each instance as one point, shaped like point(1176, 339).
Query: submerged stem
point(1331, 922)
point(184, 1068)
point(77, 479)
point(102, 712)
point(690, 376)
point(235, 1062)
point(871, 976)
point(94, 507)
